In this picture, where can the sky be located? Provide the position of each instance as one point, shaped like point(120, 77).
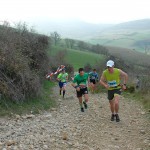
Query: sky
point(92, 11)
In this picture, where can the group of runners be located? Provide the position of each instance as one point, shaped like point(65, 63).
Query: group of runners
point(113, 79)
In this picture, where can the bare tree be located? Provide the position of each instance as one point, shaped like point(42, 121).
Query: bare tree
point(56, 37)
point(70, 43)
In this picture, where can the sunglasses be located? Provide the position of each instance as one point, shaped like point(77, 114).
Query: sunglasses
point(108, 67)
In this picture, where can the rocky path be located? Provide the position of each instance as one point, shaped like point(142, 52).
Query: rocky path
point(66, 128)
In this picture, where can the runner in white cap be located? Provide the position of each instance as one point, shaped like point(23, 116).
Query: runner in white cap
point(111, 80)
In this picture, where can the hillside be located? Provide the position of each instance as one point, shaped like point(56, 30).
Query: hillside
point(131, 60)
point(75, 29)
point(78, 58)
point(130, 56)
point(66, 128)
point(134, 25)
point(126, 34)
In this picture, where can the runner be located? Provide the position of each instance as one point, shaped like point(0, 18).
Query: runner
point(111, 80)
point(62, 78)
point(81, 88)
point(93, 80)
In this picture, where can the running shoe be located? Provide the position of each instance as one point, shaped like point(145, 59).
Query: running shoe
point(112, 117)
point(82, 109)
point(117, 118)
point(85, 105)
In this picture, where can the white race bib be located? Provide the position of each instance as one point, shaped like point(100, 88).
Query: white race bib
point(112, 83)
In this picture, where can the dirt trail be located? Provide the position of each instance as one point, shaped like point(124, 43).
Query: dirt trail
point(66, 128)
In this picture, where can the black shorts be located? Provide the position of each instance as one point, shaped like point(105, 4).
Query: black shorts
point(82, 92)
point(93, 81)
point(111, 93)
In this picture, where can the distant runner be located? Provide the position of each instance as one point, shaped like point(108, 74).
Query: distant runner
point(62, 78)
point(110, 79)
point(80, 83)
point(93, 80)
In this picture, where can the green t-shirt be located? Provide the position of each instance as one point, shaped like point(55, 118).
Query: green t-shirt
point(113, 79)
point(62, 77)
point(81, 80)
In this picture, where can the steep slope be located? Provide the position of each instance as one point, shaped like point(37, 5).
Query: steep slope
point(66, 128)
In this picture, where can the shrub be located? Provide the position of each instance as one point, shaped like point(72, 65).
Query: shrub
point(23, 62)
point(144, 84)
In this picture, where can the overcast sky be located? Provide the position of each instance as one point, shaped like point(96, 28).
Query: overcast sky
point(94, 11)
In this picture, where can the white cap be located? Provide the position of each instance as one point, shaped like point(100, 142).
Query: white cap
point(110, 63)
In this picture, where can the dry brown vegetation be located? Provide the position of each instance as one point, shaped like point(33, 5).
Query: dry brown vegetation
point(23, 62)
point(130, 56)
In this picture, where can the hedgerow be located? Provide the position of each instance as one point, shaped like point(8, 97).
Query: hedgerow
point(23, 62)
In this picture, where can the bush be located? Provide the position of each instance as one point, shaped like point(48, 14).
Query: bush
point(23, 62)
point(144, 84)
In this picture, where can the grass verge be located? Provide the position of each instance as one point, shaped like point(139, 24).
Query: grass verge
point(34, 106)
point(139, 97)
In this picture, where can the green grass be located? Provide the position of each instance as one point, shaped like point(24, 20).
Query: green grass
point(36, 105)
point(143, 99)
point(121, 38)
point(79, 58)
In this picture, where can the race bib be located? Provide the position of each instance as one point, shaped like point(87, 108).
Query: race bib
point(112, 83)
point(93, 78)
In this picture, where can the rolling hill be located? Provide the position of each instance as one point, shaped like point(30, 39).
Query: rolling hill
point(78, 58)
point(125, 35)
point(75, 29)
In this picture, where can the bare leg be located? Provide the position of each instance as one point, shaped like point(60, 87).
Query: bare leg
point(80, 101)
point(60, 91)
point(112, 106)
point(64, 90)
point(117, 103)
point(92, 87)
point(81, 105)
point(86, 97)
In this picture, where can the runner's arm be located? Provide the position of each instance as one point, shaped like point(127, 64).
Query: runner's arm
point(58, 78)
point(74, 83)
point(102, 81)
point(124, 76)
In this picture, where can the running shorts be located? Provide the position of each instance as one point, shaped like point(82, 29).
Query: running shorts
point(61, 84)
point(111, 93)
point(82, 92)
